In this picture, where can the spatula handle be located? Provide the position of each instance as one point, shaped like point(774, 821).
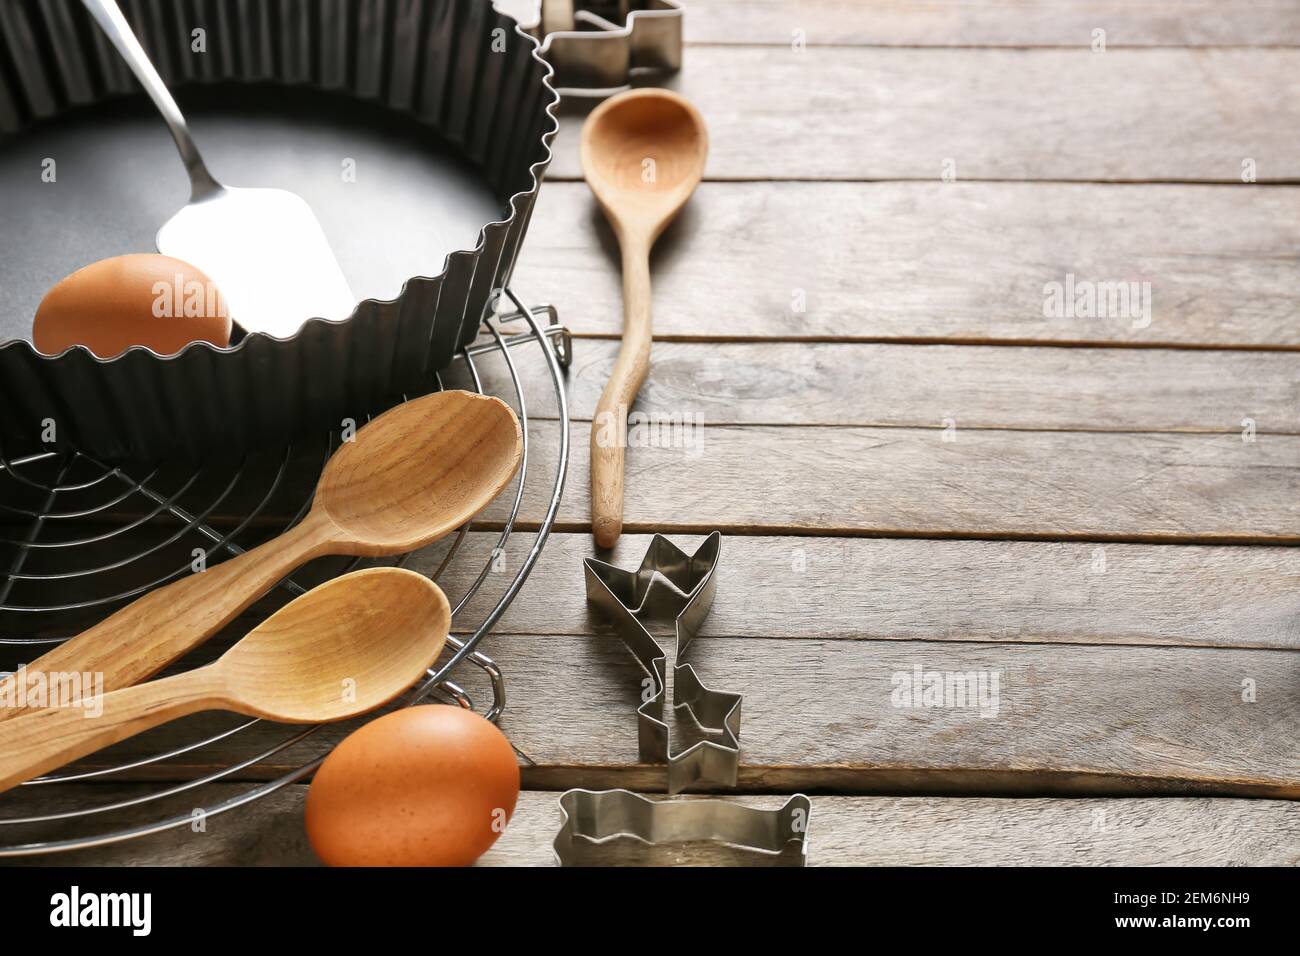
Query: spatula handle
point(118, 29)
point(47, 739)
point(145, 636)
point(609, 426)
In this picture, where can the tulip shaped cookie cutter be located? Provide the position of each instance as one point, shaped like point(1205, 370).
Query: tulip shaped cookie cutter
point(619, 36)
point(594, 817)
point(672, 584)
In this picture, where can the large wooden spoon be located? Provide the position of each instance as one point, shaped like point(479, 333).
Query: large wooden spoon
point(411, 476)
point(643, 155)
point(345, 648)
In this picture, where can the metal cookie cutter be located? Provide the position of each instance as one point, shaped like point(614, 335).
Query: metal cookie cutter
point(669, 583)
point(594, 45)
point(595, 817)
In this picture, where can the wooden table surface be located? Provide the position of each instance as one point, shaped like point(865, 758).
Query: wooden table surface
point(913, 467)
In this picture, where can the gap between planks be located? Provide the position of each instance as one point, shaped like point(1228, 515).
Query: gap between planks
point(1028, 24)
point(1282, 182)
point(963, 24)
point(822, 715)
point(987, 484)
point(910, 589)
point(715, 339)
point(935, 263)
point(887, 114)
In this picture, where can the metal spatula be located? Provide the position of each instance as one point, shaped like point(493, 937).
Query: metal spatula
point(263, 248)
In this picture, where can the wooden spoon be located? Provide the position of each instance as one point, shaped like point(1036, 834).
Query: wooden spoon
point(414, 474)
point(342, 649)
point(643, 154)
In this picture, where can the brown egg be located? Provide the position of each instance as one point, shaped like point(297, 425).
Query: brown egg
point(151, 300)
point(432, 785)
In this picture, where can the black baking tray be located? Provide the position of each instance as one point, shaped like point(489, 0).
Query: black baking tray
point(418, 131)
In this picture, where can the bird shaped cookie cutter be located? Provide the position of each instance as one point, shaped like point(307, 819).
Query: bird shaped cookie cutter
point(672, 584)
point(594, 45)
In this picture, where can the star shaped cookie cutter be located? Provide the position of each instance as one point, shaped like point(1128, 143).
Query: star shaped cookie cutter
point(671, 584)
point(594, 45)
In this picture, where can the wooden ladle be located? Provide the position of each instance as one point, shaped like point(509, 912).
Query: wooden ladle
point(414, 474)
point(643, 154)
point(342, 649)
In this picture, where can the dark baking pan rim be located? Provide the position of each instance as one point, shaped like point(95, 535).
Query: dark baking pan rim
point(284, 46)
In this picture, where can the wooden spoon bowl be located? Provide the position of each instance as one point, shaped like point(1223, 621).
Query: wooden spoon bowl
point(340, 650)
point(643, 154)
point(360, 641)
point(385, 493)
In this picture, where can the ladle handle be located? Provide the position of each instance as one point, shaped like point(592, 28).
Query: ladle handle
point(145, 636)
point(47, 739)
point(609, 426)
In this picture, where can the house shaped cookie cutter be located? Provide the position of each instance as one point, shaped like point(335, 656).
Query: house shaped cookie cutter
point(594, 45)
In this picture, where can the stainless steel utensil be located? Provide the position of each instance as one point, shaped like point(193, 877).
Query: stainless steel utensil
point(672, 583)
point(264, 248)
point(594, 55)
point(593, 817)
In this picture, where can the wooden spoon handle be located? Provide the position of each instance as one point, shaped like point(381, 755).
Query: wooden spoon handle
point(608, 427)
point(148, 634)
point(47, 739)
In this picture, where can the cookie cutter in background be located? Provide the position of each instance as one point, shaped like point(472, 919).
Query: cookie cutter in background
point(671, 584)
point(594, 45)
point(592, 817)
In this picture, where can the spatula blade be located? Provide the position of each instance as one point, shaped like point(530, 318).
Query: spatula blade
point(267, 254)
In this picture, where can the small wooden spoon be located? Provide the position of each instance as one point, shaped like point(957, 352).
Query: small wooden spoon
point(411, 476)
point(342, 649)
point(643, 155)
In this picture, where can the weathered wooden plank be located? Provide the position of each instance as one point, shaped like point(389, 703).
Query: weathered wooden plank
point(828, 715)
point(996, 23)
point(853, 113)
point(964, 262)
point(945, 481)
point(907, 589)
point(823, 713)
point(917, 482)
point(846, 831)
point(822, 383)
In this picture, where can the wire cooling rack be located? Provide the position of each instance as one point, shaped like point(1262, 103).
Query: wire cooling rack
point(80, 539)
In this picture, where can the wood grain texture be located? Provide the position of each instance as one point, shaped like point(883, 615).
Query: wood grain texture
point(823, 715)
point(853, 113)
point(912, 482)
point(846, 831)
point(1127, 681)
point(958, 261)
point(909, 589)
point(828, 383)
point(994, 22)
point(819, 714)
point(942, 591)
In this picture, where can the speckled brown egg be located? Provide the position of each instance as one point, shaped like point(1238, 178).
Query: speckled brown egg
point(432, 785)
point(156, 301)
